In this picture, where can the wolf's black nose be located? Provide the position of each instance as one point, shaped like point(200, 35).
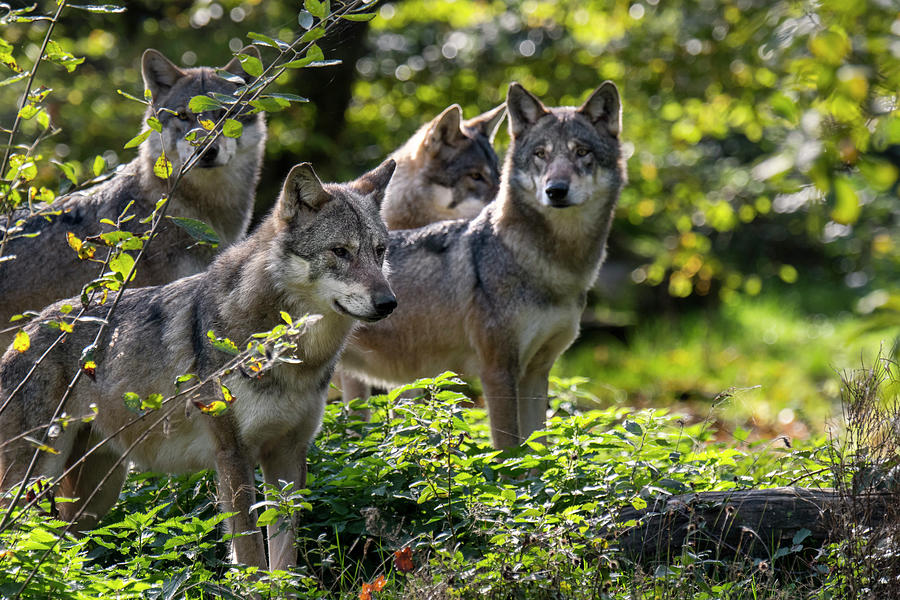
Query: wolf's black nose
point(556, 190)
point(211, 154)
point(384, 304)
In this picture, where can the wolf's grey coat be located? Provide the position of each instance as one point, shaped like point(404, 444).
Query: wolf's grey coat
point(320, 251)
point(501, 296)
point(219, 191)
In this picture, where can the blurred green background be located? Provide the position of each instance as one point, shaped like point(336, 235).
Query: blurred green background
point(757, 244)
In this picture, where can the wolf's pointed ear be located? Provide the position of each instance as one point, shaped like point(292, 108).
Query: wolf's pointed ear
point(234, 65)
point(487, 124)
point(159, 73)
point(375, 182)
point(302, 189)
point(444, 130)
point(523, 107)
point(604, 108)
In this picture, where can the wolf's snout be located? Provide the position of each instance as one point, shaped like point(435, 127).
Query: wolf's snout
point(384, 303)
point(209, 156)
point(557, 191)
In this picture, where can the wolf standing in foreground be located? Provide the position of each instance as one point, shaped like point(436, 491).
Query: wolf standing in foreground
point(219, 191)
point(321, 250)
point(446, 170)
point(501, 296)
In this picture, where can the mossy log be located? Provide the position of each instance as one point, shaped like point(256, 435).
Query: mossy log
point(754, 523)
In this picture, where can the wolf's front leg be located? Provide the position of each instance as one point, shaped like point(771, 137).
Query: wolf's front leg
point(501, 397)
point(533, 402)
point(237, 492)
point(279, 466)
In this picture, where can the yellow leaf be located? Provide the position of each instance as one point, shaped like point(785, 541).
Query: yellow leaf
point(162, 168)
point(22, 342)
point(65, 327)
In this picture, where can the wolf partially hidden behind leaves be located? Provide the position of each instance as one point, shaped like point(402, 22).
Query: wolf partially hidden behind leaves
point(320, 251)
point(501, 296)
point(219, 190)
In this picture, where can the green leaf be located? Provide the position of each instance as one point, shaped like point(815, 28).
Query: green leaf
point(68, 170)
point(132, 401)
point(15, 78)
point(162, 168)
point(99, 165)
point(199, 104)
point(269, 103)
point(252, 65)
point(267, 41)
point(198, 230)
point(289, 97)
point(315, 53)
point(154, 124)
point(121, 265)
point(846, 210)
point(138, 139)
point(98, 8)
point(268, 517)
point(326, 63)
point(131, 97)
point(222, 344)
point(316, 8)
point(633, 428)
point(28, 111)
point(359, 17)
point(313, 34)
point(152, 402)
point(232, 128)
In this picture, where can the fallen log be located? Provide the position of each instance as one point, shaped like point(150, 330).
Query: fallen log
point(754, 522)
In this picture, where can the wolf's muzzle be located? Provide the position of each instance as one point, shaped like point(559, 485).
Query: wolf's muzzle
point(556, 192)
point(384, 304)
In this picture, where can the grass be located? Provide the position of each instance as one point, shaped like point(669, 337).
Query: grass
point(783, 364)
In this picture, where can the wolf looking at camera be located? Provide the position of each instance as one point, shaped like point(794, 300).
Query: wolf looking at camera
point(501, 296)
point(219, 191)
point(320, 251)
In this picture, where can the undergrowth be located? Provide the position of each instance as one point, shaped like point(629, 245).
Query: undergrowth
point(416, 504)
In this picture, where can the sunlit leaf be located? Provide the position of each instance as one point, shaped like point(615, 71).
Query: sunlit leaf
point(21, 343)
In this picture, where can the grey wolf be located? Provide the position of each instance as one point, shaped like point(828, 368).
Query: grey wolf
point(500, 296)
point(219, 191)
point(446, 170)
point(321, 250)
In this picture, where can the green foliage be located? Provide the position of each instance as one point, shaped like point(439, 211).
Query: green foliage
point(538, 521)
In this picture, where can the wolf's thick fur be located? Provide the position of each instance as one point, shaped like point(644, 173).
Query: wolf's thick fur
point(446, 170)
point(501, 296)
point(219, 190)
point(321, 250)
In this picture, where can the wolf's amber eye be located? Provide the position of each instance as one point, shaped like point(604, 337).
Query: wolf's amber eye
point(340, 252)
point(540, 153)
point(476, 176)
point(582, 152)
point(182, 115)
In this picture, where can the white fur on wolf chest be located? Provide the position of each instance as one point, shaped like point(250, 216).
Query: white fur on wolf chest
point(293, 408)
point(545, 330)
